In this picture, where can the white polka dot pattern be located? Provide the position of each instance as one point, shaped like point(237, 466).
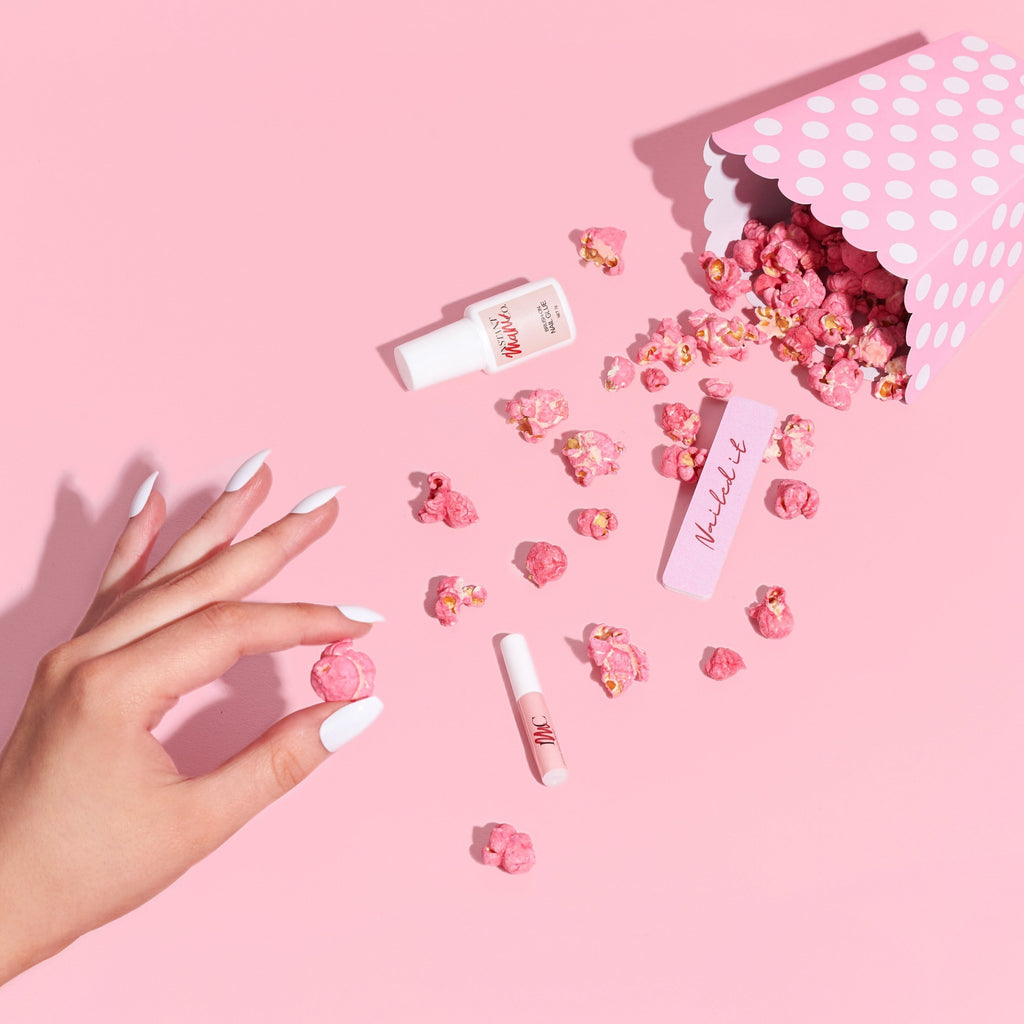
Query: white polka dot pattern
point(922, 160)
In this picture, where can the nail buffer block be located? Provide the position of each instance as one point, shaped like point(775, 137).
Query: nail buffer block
point(718, 499)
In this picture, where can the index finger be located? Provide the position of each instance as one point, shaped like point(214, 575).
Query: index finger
point(151, 673)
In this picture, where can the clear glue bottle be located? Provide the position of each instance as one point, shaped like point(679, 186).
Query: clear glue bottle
point(495, 333)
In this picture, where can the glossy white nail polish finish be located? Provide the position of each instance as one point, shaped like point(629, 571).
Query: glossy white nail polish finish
point(246, 471)
point(142, 495)
point(357, 613)
point(348, 722)
point(315, 500)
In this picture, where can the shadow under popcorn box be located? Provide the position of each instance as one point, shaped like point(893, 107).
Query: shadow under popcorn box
point(920, 159)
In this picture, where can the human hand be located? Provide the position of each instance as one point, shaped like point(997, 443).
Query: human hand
point(94, 817)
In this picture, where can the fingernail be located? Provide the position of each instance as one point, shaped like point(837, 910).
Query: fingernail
point(348, 722)
point(142, 495)
point(316, 499)
point(357, 613)
point(246, 471)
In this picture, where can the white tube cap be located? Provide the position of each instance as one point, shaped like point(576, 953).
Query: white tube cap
point(521, 672)
point(450, 351)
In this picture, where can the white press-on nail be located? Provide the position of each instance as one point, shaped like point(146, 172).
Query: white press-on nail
point(357, 613)
point(142, 495)
point(247, 470)
point(316, 499)
point(348, 722)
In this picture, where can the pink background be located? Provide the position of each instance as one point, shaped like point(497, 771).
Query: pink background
point(217, 221)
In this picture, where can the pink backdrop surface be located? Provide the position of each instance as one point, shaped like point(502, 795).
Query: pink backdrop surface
point(217, 222)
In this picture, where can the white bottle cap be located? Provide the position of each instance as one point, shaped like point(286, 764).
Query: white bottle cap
point(448, 352)
point(521, 673)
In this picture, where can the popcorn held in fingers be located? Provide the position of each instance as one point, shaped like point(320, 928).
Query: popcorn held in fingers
point(773, 617)
point(794, 498)
point(545, 562)
point(343, 673)
point(445, 504)
point(723, 664)
point(619, 660)
point(537, 413)
point(680, 423)
point(590, 454)
point(597, 522)
point(454, 594)
point(716, 387)
point(620, 374)
point(682, 462)
point(724, 277)
point(603, 247)
point(653, 378)
point(510, 850)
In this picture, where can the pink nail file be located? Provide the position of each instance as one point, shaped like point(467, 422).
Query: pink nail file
point(718, 499)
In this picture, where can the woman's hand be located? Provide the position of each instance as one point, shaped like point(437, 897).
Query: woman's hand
point(94, 817)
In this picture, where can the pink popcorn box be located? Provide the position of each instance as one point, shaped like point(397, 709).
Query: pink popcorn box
point(920, 159)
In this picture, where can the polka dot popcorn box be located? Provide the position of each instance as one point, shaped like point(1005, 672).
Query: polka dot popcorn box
point(920, 159)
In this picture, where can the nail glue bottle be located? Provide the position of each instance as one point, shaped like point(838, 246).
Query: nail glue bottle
point(495, 333)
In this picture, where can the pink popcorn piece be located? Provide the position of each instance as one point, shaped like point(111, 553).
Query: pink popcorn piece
point(716, 387)
point(653, 378)
point(545, 562)
point(537, 412)
point(682, 462)
point(670, 345)
point(892, 385)
point(720, 338)
point(773, 617)
point(794, 498)
point(680, 422)
point(619, 660)
point(343, 673)
point(837, 380)
point(603, 247)
point(590, 454)
point(445, 504)
point(597, 523)
point(723, 664)
point(510, 850)
point(724, 277)
point(619, 374)
point(454, 594)
point(792, 442)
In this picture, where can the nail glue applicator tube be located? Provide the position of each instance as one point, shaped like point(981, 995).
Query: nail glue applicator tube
point(533, 710)
point(495, 333)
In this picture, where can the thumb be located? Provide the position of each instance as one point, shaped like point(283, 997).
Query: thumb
point(275, 763)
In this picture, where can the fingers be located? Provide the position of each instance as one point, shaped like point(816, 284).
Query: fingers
point(150, 674)
point(128, 561)
point(276, 762)
point(228, 575)
point(219, 525)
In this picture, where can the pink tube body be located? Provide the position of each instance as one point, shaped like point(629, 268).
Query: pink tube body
point(540, 733)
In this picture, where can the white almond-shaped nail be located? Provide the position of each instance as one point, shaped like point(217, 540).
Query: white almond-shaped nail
point(316, 499)
point(142, 495)
point(348, 722)
point(247, 470)
point(357, 613)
